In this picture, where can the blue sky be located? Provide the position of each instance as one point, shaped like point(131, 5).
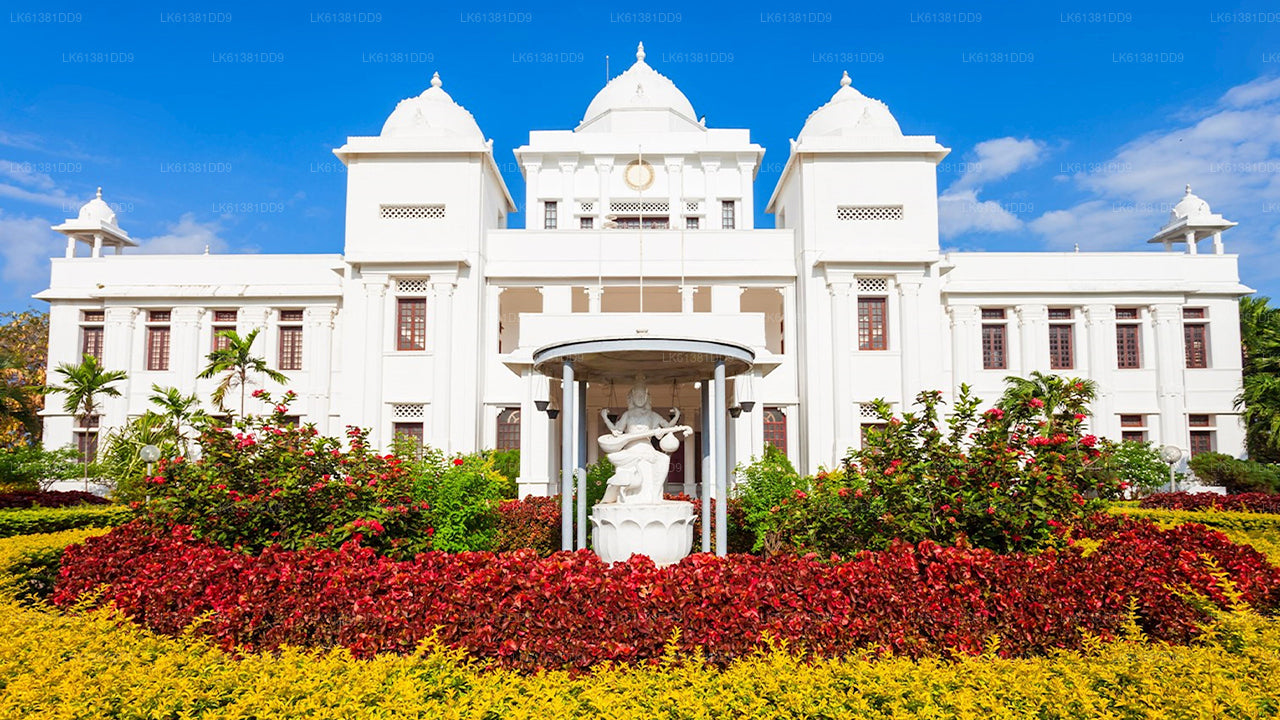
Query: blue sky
point(214, 124)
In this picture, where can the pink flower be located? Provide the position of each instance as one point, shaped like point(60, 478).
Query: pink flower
point(1035, 403)
point(996, 413)
point(843, 492)
point(1078, 417)
point(857, 493)
point(1089, 440)
point(801, 495)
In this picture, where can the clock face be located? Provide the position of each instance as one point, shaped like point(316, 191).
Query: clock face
point(639, 175)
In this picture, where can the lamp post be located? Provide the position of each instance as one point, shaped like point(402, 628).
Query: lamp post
point(1171, 454)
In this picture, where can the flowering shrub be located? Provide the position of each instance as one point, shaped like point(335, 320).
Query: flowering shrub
point(49, 498)
point(529, 524)
point(1004, 481)
point(1244, 502)
point(266, 482)
point(572, 610)
point(103, 667)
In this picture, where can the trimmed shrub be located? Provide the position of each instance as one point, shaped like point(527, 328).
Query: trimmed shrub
point(570, 610)
point(49, 498)
point(27, 468)
point(1244, 502)
point(47, 520)
point(461, 495)
point(529, 524)
point(1237, 476)
point(105, 667)
point(29, 563)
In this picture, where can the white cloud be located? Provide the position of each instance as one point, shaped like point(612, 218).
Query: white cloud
point(186, 236)
point(26, 244)
point(959, 209)
point(1229, 153)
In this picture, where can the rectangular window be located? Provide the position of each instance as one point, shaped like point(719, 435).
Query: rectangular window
point(1199, 421)
point(691, 223)
point(994, 347)
point(1133, 435)
point(508, 437)
point(1197, 349)
point(1059, 313)
point(223, 321)
point(1126, 313)
point(410, 432)
point(1201, 442)
point(1132, 421)
point(550, 221)
point(1061, 349)
point(775, 428)
point(158, 339)
point(86, 432)
point(91, 333)
point(872, 333)
point(586, 223)
point(1192, 313)
point(1128, 348)
point(290, 340)
point(649, 222)
point(727, 219)
point(411, 324)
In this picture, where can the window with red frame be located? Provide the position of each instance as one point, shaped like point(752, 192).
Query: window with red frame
point(872, 330)
point(290, 340)
point(411, 324)
point(775, 428)
point(508, 437)
point(158, 339)
point(994, 345)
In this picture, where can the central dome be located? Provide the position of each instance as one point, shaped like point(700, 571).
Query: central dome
point(639, 88)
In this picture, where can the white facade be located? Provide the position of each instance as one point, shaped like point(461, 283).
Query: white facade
point(848, 299)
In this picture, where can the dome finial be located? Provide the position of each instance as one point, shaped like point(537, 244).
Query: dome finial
point(640, 53)
point(1188, 188)
point(99, 192)
point(435, 80)
point(845, 81)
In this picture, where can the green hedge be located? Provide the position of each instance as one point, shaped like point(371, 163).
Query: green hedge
point(29, 521)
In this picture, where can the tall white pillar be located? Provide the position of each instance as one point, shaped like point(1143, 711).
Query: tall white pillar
point(1190, 237)
point(375, 294)
point(442, 365)
point(711, 173)
point(1033, 326)
point(910, 321)
point(1170, 370)
point(841, 385)
point(117, 354)
point(567, 214)
point(675, 185)
point(317, 336)
point(186, 350)
point(595, 295)
point(604, 170)
point(1100, 328)
point(965, 343)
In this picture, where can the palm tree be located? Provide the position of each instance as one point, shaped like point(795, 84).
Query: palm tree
point(177, 409)
point(1062, 396)
point(83, 384)
point(236, 359)
point(1259, 398)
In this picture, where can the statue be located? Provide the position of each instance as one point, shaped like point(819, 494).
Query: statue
point(641, 469)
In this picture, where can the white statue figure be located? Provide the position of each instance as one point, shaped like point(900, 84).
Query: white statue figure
point(640, 469)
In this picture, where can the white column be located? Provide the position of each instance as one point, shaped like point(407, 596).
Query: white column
point(1100, 327)
point(965, 343)
point(711, 172)
point(686, 298)
point(375, 293)
point(185, 347)
point(317, 335)
point(1191, 242)
point(842, 343)
point(910, 321)
point(1217, 243)
point(71, 246)
point(117, 354)
point(594, 295)
point(686, 447)
point(604, 169)
point(97, 245)
point(442, 365)
point(1170, 360)
point(675, 184)
point(1033, 326)
point(566, 217)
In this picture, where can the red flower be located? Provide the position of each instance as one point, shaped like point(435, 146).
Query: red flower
point(1078, 417)
point(457, 461)
point(801, 495)
point(843, 492)
point(991, 510)
point(1035, 403)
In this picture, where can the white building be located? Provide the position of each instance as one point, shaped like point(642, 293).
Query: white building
point(641, 224)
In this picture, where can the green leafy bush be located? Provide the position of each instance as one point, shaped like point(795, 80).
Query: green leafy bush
point(31, 467)
point(762, 487)
point(1237, 476)
point(507, 464)
point(1137, 464)
point(463, 494)
point(267, 482)
point(47, 520)
point(120, 463)
point(1005, 480)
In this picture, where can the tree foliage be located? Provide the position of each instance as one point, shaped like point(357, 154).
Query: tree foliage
point(24, 347)
point(1259, 398)
point(237, 360)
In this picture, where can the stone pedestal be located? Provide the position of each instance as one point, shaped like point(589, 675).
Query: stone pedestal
point(663, 531)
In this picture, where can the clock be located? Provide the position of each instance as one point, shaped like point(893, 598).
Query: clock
point(638, 174)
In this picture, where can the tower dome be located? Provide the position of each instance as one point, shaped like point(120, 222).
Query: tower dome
point(431, 114)
point(97, 210)
point(1191, 205)
point(640, 87)
point(850, 113)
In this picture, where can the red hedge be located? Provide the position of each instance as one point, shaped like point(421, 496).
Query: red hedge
point(51, 498)
point(572, 610)
point(1243, 502)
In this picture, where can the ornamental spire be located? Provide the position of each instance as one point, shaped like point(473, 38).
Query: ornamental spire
point(435, 80)
point(845, 81)
point(640, 53)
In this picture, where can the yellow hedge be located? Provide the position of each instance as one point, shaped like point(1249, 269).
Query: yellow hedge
point(98, 665)
point(14, 549)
